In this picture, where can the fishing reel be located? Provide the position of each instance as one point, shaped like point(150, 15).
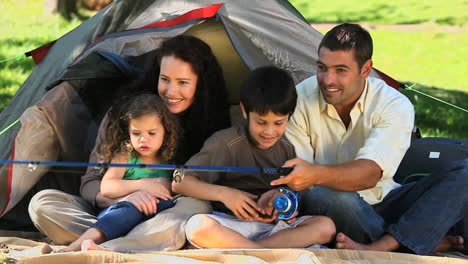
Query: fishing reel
point(286, 204)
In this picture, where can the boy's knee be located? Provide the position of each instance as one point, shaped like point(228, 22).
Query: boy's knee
point(327, 228)
point(198, 226)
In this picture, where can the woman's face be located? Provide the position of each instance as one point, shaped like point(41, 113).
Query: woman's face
point(177, 84)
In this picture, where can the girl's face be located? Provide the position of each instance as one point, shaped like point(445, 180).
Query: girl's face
point(146, 136)
point(177, 84)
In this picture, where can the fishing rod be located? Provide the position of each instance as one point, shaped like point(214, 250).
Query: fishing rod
point(179, 169)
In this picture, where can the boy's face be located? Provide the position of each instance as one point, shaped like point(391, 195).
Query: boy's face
point(266, 130)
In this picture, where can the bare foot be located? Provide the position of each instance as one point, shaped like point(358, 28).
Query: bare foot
point(344, 242)
point(450, 243)
point(89, 244)
point(70, 248)
point(385, 243)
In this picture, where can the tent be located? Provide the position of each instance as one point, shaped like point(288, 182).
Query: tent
point(62, 102)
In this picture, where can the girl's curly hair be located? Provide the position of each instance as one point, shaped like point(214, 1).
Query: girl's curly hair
point(117, 139)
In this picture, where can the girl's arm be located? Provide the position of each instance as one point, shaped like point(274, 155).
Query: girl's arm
point(114, 186)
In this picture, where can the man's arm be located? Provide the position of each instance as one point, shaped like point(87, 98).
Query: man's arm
point(355, 175)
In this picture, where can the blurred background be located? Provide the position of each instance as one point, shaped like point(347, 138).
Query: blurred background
point(420, 43)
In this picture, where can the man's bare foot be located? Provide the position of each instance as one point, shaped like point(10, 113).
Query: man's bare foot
point(344, 242)
point(89, 244)
point(385, 243)
point(450, 243)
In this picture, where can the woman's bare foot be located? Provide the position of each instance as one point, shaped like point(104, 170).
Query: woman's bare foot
point(450, 243)
point(89, 244)
point(70, 248)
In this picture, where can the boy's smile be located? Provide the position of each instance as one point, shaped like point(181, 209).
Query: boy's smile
point(266, 130)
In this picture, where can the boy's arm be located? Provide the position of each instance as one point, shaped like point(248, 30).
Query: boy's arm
point(241, 203)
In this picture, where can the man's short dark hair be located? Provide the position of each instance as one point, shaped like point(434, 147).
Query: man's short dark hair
point(269, 88)
point(349, 36)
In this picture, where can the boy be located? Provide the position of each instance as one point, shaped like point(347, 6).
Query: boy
point(268, 99)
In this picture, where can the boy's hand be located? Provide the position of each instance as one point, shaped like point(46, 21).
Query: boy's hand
point(242, 204)
point(265, 202)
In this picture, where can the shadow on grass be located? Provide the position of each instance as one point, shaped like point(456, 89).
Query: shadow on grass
point(437, 119)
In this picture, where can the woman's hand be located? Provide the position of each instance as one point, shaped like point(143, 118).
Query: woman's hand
point(144, 201)
point(242, 204)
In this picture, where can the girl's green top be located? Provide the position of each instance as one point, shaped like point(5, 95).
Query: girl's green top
point(139, 173)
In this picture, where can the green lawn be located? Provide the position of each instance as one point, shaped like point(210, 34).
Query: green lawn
point(432, 57)
point(448, 12)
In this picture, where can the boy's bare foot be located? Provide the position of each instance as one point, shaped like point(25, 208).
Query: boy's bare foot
point(89, 244)
point(450, 243)
point(344, 242)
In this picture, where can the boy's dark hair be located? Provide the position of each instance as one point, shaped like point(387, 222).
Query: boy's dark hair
point(349, 36)
point(269, 88)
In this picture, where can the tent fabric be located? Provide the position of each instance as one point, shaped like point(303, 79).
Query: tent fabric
point(31, 252)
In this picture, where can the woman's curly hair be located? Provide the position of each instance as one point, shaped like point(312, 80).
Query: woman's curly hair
point(117, 139)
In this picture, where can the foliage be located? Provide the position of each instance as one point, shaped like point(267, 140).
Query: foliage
point(450, 12)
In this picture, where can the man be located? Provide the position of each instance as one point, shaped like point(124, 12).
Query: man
point(350, 132)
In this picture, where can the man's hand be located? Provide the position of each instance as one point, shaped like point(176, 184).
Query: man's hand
point(301, 176)
point(242, 204)
point(144, 201)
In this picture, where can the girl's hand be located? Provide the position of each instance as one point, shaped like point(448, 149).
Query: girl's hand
point(144, 201)
point(242, 204)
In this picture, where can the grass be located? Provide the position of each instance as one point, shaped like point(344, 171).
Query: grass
point(25, 26)
point(449, 12)
point(431, 56)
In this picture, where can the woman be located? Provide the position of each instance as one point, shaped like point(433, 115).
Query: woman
point(191, 83)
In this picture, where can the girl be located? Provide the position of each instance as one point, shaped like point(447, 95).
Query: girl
point(143, 132)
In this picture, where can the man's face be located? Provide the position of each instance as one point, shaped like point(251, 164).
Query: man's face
point(340, 78)
point(266, 130)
